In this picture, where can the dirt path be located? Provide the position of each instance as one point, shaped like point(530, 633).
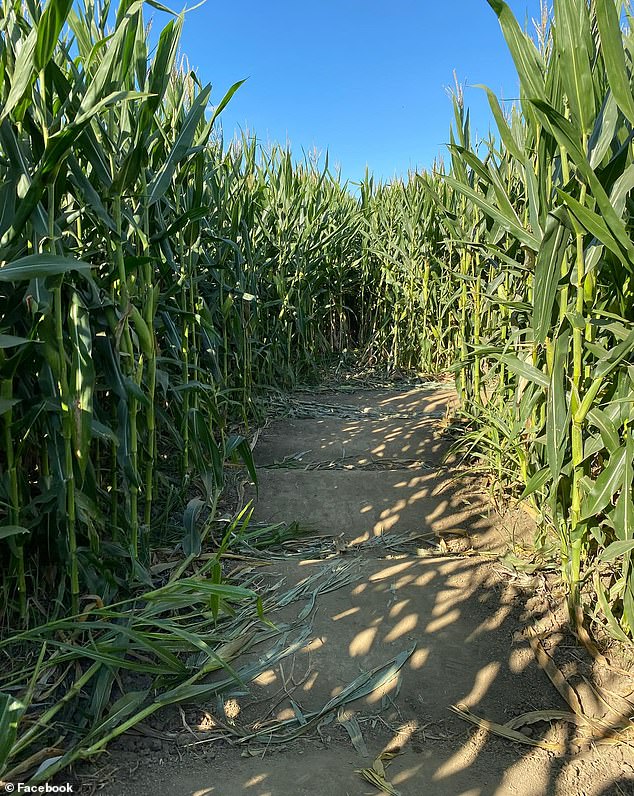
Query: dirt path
point(402, 607)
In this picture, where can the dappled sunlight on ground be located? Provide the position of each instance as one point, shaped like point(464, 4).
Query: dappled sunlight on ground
point(464, 655)
point(369, 504)
point(456, 618)
point(396, 472)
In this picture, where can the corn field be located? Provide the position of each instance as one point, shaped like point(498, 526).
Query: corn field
point(156, 282)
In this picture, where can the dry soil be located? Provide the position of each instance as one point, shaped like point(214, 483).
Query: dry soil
point(415, 546)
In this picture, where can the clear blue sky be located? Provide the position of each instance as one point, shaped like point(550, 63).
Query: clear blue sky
point(365, 80)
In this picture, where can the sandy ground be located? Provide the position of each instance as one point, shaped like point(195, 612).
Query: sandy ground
point(417, 579)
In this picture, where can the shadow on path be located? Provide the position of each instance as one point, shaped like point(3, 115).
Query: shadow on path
point(367, 469)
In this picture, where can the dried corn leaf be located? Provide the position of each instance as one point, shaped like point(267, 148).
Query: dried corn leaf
point(615, 716)
point(379, 767)
point(535, 716)
point(600, 731)
point(298, 712)
point(378, 780)
point(504, 731)
point(554, 674)
point(353, 728)
point(365, 684)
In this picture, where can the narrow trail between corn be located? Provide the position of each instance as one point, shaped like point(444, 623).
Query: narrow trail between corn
point(406, 546)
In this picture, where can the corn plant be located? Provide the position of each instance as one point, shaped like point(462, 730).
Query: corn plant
point(554, 195)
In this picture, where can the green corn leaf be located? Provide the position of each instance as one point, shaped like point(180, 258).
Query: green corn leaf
point(525, 370)
point(508, 223)
point(557, 412)
point(617, 550)
point(56, 151)
point(525, 56)
point(49, 28)
point(609, 434)
point(11, 711)
point(568, 137)
point(157, 84)
point(622, 518)
point(534, 202)
point(82, 381)
point(622, 187)
point(613, 626)
point(573, 42)
point(124, 446)
point(237, 444)
point(191, 541)
point(196, 641)
point(605, 128)
point(614, 357)
point(547, 274)
point(200, 590)
point(165, 9)
point(181, 147)
point(163, 62)
point(88, 193)
point(7, 404)
point(23, 75)
point(116, 60)
point(195, 214)
point(40, 266)
point(114, 98)
point(121, 710)
point(472, 160)
point(502, 125)
point(623, 515)
point(614, 56)
point(536, 482)
point(205, 445)
point(225, 100)
point(595, 224)
point(608, 482)
point(13, 341)
point(8, 531)
point(628, 600)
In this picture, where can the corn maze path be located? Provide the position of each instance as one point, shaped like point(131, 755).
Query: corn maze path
point(416, 599)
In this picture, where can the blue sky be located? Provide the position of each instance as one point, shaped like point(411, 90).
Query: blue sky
point(364, 80)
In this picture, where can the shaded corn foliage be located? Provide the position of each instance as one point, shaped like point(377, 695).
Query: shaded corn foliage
point(411, 312)
point(537, 244)
point(150, 281)
point(513, 266)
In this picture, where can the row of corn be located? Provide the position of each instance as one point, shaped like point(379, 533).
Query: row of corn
point(154, 281)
